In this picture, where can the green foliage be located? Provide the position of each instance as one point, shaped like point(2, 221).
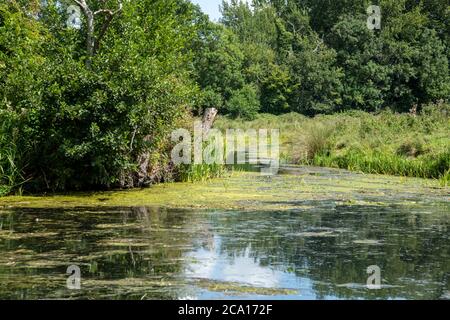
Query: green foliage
point(317, 57)
point(80, 127)
point(381, 163)
point(243, 103)
point(315, 80)
point(218, 63)
point(384, 143)
point(366, 73)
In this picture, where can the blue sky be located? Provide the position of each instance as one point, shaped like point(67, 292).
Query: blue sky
point(211, 7)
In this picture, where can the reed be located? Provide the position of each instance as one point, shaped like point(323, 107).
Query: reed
point(384, 143)
point(200, 172)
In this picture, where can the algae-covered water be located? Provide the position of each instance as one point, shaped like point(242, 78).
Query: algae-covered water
point(307, 233)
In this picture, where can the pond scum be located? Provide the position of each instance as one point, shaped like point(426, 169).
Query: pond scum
point(302, 187)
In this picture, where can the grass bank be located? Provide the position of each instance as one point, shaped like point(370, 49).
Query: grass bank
point(384, 143)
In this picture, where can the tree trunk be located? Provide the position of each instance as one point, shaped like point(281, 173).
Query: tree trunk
point(208, 119)
point(93, 44)
point(90, 42)
point(144, 176)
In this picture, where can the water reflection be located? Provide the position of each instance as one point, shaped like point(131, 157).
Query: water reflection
point(242, 267)
point(148, 253)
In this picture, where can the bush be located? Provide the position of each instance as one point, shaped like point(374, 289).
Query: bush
point(411, 149)
point(102, 125)
point(244, 103)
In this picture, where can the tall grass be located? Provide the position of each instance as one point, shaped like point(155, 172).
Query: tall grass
point(384, 143)
point(11, 178)
point(200, 172)
point(11, 168)
point(384, 163)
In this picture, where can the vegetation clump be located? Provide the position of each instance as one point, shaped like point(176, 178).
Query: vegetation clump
point(383, 143)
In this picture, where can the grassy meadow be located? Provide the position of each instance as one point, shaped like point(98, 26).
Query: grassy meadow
point(413, 145)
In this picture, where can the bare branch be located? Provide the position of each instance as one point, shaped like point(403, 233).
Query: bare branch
point(93, 44)
point(82, 4)
point(109, 11)
point(106, 24)
point(103, 32)
point(319, 44)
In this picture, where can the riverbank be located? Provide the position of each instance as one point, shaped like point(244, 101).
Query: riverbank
point(386, 143)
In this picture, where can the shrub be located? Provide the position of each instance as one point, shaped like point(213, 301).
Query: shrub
point(244, 103)
point(101, 125)
point(412, 149)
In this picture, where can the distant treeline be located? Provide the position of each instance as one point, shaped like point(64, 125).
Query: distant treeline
point(319, 56)
point(90, 89)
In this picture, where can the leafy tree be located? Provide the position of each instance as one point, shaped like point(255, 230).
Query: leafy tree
point(218, 65)
point(243, 103)
point(416, 56)
point(276, 90)
point(315, 77)
point(367, 75)
point(102, 125)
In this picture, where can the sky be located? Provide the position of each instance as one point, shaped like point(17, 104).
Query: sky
point(211, 7)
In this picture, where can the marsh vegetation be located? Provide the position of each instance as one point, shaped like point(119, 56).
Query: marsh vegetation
point(383, 143)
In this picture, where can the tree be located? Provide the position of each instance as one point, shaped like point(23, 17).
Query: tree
point(416, 56)
point(218, 65)
point(367, 75)
point(93, 41)
point(243, 103)
point(79, 127)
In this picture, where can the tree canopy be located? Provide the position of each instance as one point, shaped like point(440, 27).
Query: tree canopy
point(320, 57)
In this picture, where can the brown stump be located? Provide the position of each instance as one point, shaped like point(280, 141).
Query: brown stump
point(208, 119)
point(143, 176)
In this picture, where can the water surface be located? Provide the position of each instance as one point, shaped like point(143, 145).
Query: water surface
point(308, 249)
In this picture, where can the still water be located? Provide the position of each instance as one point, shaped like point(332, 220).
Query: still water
point(321, 252)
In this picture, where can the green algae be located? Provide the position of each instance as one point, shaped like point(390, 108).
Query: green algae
point(249, 191)
point(8, 235)
point(159, 243)
point(368, 242)
point(160, 254)
point(316, 234)
point(238, 288)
